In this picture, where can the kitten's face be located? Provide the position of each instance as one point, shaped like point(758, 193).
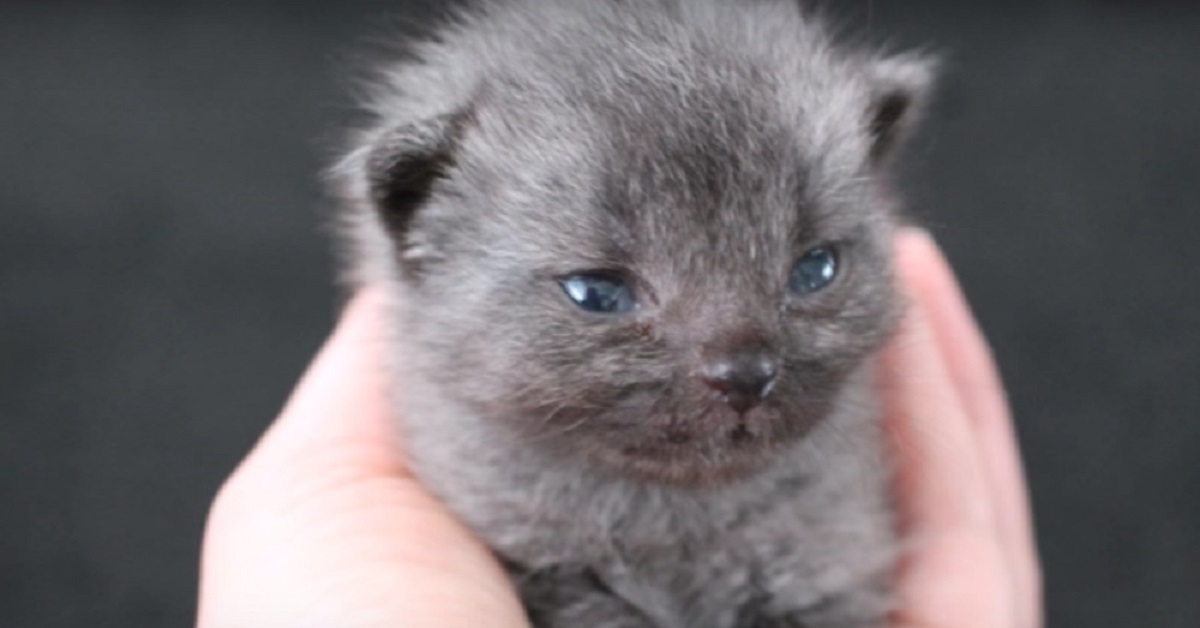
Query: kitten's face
point(675, 294)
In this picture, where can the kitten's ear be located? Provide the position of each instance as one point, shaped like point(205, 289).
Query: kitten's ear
point(899, 90)
point(405, 162)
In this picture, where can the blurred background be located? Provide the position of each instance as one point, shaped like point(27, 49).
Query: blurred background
point(164, 276)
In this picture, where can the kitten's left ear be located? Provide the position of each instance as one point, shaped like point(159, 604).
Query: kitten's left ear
point(404, 162)
point(899, 91)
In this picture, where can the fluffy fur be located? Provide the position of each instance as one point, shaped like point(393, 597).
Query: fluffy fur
point(696, 148)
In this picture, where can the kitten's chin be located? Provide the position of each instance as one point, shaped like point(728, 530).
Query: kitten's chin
point(700, 444)
point(715, 462)
point(684, 472)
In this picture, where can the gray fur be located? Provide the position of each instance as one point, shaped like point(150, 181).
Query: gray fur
point(700, 147)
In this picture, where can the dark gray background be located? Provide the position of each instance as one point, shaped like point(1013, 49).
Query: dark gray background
point(164, 278)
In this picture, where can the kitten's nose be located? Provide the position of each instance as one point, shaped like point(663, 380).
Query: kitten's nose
point(742, 379)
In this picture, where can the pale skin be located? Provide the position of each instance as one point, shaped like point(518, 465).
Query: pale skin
point(323, 524)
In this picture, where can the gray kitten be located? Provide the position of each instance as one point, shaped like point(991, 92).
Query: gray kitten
point(638, 254)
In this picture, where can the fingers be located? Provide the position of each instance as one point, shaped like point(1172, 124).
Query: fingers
point(322, 525)
point(974, 375)
point(954, 573)
point(941, 477)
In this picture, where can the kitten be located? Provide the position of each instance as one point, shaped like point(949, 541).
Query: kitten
point(638, 254)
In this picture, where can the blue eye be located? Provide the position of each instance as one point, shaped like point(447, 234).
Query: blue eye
point(602, 294)
point(814, 271)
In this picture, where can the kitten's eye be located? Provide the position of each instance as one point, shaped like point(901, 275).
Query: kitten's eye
point(814, 271)
point(603, 294)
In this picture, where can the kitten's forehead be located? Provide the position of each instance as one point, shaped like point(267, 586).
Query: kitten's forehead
point(707, 146)
point(707, 158)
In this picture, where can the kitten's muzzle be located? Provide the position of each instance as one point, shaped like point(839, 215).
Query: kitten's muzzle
point(741, 380)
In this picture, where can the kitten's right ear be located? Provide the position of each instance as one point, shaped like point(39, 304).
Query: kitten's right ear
point(899, 92)
point(405, 162)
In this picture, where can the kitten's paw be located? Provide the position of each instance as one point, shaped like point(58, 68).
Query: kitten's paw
point(574, 597)
point(867, 608)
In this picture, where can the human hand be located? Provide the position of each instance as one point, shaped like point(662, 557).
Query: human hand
point(969, 556)
point(323, 524)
